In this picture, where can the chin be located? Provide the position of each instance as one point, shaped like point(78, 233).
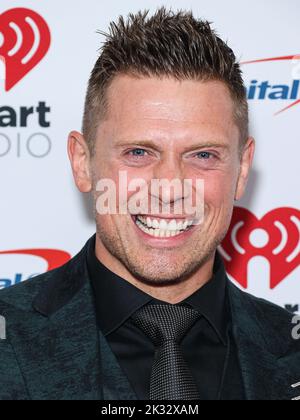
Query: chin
point(159, 280)
point(161, 274)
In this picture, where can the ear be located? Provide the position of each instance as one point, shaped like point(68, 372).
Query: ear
point(79, 156)
point(245, 167)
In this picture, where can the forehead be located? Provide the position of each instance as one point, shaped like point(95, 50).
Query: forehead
point(137, 105)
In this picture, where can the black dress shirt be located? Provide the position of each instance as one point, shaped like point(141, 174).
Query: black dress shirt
point(208, 347)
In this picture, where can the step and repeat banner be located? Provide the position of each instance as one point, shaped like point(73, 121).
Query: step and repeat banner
point(47, 50)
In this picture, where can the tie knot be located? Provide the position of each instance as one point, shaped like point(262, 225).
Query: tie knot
point(165, 322)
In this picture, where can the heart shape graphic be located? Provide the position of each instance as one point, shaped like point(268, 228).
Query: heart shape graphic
point(281, 247)
point(25, 40)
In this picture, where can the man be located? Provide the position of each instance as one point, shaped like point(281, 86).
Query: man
point(145, 310)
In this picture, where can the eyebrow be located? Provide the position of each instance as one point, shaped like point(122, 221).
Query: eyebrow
point(207, 146)
point(138, 143)
point(153, 145)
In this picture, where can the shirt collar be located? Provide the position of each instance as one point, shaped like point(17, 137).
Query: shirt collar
point(210, 300)
point(117, 300)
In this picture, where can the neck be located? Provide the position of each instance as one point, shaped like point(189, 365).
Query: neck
point(170, 293)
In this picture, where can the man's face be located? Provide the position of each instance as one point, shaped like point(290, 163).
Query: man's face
point(169, 129)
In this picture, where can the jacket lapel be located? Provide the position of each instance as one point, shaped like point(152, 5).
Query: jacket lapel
point(268, 370)
point(115, 382)
point(56, 340)
point(61, 353)
point(60, 360)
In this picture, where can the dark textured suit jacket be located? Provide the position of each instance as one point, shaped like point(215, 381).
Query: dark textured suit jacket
point(54, 351)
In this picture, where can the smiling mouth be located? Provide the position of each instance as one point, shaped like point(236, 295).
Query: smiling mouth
point(162, 228)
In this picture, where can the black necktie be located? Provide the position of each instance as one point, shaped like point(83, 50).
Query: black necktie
point(166, 325)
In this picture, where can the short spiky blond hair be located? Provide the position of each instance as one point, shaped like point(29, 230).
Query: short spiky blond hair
point(172, 44)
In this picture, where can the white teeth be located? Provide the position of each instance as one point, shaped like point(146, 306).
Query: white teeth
point(149, 222)
point(185, 225)
point(179, 226)
point(155, 224)
point(173, 225)
point(163, 225)
point(162, 228)
point(162, 233)
point(156, 233)
point(141, 219)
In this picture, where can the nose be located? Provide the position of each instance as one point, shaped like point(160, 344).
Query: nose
point(168, 177)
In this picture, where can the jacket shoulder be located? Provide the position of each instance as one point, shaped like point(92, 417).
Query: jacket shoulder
point(23, 311)
point(266, 308)
point(275, 323)
point(21, 296)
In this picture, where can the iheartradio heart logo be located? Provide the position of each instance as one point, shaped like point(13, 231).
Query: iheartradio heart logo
point(24, 40)
point(276, 237)
point(54, 257)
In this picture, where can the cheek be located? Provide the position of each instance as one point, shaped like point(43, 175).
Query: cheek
point(113, 226)
point(133, 185)
point(120, 178)
point(219, 200)
point(219, 190)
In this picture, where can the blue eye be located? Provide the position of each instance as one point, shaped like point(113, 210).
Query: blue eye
point(204, 155)
point(138, 152)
